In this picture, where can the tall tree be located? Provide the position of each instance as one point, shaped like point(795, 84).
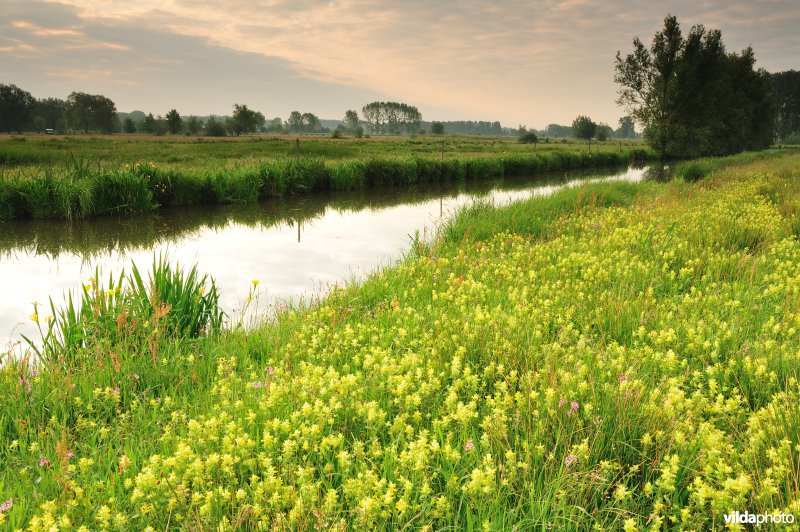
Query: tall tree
point(52, 111)
point(583, 128)
point(174, 122)
point(626, 129)
point(692, 97)
point(245, 120)
point(295, 122)
point(15, 108)
point(90, 111)
point(351, 120)
point(193, 125)
point(786, 88)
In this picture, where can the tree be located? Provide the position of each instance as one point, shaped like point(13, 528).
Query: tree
point(148, 124)
point(128, 125)
point(15, 108)
point(174, 122)
point(351, 121)
point(391, 117)
point(52, 110)
point(528, 137)
point(275, 125)
point(310, 122)
point(603, 132)
point(215, 128)
point(786, 88)
point(437, 128)
point(193, 125)
point(90, 111)
point(626, 128)
point(245, 120)
point(583, 128)
point(295, 122)
point(692, 97)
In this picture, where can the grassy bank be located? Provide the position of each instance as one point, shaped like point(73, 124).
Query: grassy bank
point(82, 186)
point(626, 358)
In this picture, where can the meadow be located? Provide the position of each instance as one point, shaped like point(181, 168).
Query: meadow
point(79, 177)
point(615, 356)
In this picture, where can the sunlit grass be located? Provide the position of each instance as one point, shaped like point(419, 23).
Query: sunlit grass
point(617, 356)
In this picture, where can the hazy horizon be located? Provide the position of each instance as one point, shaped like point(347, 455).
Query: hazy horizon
point(530, 63)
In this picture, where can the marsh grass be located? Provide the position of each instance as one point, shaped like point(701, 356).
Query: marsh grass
point(86, 183)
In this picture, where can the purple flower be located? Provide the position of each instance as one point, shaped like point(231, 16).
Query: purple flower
point(6, 506)
point(469, 446)
point(44, 462)
point(574, 406)
point(570, 459)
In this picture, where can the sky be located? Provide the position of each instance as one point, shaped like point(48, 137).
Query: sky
point(531, 62)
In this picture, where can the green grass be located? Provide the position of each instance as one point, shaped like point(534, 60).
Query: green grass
point(78, 177)
point(625, 362)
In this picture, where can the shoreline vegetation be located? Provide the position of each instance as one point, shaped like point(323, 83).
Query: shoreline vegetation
point(616, 354)
point(73, 187)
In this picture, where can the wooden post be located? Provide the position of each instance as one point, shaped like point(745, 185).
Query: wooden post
point(298, 147)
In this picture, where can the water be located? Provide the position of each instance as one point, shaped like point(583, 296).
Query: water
point(296, 247)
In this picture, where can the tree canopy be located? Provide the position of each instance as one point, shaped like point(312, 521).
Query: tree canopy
point(583, 128)
point(15, 107)
point(692, 97)
point(786, 87)
point(90, 111)
point(244, 120)
point(391, 117)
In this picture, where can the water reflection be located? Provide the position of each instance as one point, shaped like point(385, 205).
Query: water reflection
point(293, 246)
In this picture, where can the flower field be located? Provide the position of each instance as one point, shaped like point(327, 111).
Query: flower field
point(628, 361)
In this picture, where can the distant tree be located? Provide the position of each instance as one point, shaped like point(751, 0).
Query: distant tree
point(295, 122)
point(193, 125)
point(626, 128)
point(358, 132)
point(38, 123)
point(90, 111)
point(215, 128)
point(160, 126)
point(336, 133)
point(583, 128)
point(391, 117)
point(529, 137)
point(786, 88)
point(556, 130)
point(174, 122)
point(351, 121)
point(128, 125)
point(52, 110)
point(310, 122)
point(437, 128)
point(275, 125)
point(15, 108)
point(245, 120)
point(148, 124)
point(603, 132)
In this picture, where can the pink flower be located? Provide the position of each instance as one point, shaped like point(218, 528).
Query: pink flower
point(574, 406)
point(270, 370)
point(469, 446)
point(70, 454)
point(6, 506)
point(562, 403)
point(570, 459)
point(622, 378)
point(256, 384)
point(44, 462)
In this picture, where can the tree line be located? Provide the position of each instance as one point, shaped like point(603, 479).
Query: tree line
point(692, 97)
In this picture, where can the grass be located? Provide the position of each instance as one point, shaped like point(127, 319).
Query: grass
point(84, 177)
point(624, 358)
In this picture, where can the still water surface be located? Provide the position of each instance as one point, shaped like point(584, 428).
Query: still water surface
point(295, 248)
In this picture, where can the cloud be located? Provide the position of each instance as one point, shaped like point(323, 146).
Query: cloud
point(517, 61)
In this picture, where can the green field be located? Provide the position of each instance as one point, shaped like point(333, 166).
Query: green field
point(615, 356)
point(79, 177)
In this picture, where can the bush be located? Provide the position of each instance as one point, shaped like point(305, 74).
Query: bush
point(528, 138)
